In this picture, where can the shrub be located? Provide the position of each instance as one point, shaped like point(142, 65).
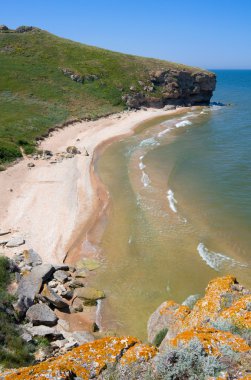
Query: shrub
point(14, 352)
point(190, 362)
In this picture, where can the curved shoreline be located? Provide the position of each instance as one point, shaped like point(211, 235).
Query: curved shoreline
point(93, 227)
point(52, 206)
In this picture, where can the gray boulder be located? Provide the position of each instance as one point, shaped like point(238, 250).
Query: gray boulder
point(15, 241)
point(61, 276)
point(30, 285)
point(41, 314)
point(43, 331)
point(53, 298)
point(32, 258)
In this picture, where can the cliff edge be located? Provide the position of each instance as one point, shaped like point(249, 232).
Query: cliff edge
point(205, 339)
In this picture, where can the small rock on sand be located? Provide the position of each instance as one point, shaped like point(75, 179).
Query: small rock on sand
point(15, 241)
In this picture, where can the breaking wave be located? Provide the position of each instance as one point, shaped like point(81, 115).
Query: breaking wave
point(172, 201)
point(216, 261)
point(150, 141)
point(145, 179)
point(183, 123)
point(163, 132)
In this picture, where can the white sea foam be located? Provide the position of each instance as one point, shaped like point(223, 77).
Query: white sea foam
point(183, 123)
point(130, 240)
point(215, 260)
point(164, 132)
point(99, 314)
point(150, 141)
point(145, 179)
point(172, 201)
point(141, 165)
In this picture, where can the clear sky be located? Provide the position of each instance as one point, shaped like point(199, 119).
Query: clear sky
point(209, 34)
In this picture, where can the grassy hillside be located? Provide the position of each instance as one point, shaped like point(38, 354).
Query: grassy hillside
point(36, 95)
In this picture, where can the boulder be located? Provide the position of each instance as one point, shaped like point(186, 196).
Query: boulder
point(32, 258)
point(31, 165)
point(89, 295)
point(43, 331)
point(61, 267)
point(53, 298)
point(77, 283)
point(41, 314)
point(72, 150)
point(15, 241)
point(61, 276)
point(77, 305)
point(30, 285)
point(168, 314)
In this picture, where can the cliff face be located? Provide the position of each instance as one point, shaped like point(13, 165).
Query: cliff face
point(210, 340)
point(174, 87)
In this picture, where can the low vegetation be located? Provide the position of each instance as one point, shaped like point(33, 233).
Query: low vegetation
point(46, 80)
point(14, 352)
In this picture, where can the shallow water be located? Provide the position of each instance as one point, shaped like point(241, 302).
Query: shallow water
point(180, 209)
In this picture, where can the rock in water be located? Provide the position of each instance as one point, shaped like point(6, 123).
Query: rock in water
point(15, 241)
point(91, 295)
point(41, 314)
point(51, 296)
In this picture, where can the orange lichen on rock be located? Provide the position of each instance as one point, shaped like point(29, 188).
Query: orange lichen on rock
point(208, 308)
point(212, 340)
point(138, 353)
point(238, 313)
point(176, 309)
point(85, 361)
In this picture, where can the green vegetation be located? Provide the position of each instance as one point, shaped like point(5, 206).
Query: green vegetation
point(35, 94)
point(159, 337)
point(14, 352)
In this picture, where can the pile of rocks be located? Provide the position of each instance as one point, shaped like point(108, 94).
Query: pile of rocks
point(76, 77)
point(43, 290)
point(71, 152)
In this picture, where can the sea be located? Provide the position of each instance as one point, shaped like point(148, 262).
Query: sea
point(180, 207)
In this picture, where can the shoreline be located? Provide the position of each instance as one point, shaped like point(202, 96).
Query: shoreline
point(54, 218)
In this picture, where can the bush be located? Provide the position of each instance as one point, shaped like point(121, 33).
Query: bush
point(14, 352)
point(186, 363)
point(8, 151)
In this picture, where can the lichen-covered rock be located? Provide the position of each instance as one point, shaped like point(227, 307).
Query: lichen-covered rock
point(168, 315)
point(86, 361)
point(212, 340)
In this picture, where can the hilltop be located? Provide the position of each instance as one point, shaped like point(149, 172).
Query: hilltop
point(46, 81)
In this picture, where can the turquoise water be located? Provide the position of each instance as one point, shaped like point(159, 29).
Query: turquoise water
point(180, 207)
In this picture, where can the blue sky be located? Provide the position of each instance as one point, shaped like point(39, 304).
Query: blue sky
point(209, 34)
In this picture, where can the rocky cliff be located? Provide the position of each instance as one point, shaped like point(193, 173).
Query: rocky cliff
point(205, 339)
point(174, 87)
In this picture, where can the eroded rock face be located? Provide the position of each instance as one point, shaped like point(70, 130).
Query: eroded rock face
point(174, 87)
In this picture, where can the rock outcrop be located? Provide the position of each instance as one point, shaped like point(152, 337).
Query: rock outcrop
point(173, 87)
point(210, 340)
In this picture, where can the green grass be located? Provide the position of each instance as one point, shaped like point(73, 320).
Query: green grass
point(14, 352)
point(35, 95)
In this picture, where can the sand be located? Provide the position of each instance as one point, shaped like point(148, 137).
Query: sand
point(53, 205)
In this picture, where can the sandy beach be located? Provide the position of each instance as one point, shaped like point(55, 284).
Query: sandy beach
point(52, 206)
